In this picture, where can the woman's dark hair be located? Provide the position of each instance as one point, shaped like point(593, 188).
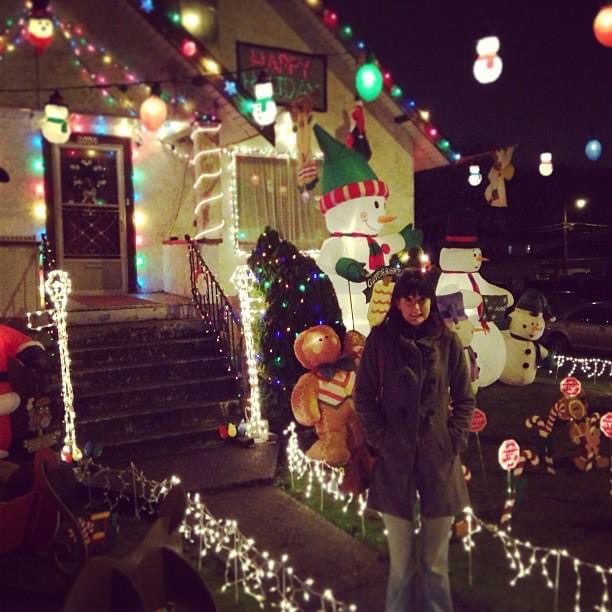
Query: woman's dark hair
point(415, 282)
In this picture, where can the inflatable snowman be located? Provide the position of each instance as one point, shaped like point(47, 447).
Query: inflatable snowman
point(523, 351)
point(39, 31)
point(54, 125)
point(452, 304)
point(460, 261)
point(354, 206)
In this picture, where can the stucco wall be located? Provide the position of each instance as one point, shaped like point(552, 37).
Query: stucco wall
point(163, 187)
point(256, 21)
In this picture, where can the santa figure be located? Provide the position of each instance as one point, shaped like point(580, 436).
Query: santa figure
point(354, 203)
point(15, 345)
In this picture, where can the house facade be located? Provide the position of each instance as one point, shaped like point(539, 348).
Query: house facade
point(114, 199)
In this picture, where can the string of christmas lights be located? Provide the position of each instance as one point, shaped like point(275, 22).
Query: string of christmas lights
point(11, 36)
point(328, 479)
point(591, 367)
point(272, 583)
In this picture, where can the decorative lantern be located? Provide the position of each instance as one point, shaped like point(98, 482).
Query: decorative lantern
point(546, 167)
point(264, 107)
point(475, 178)
point(593, 149)
point(602, 26)
point(54, 125)
point(153, 111)
point(488, 65)
point(369, 81)
point(40, 26)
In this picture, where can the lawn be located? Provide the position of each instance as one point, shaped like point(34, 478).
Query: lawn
point(569, 511)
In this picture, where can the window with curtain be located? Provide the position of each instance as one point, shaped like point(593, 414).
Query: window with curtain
point(268, 195)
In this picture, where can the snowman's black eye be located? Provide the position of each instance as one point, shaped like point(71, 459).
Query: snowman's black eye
point(376, 204)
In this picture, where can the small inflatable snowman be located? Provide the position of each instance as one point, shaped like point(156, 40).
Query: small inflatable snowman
point(354, 204)
point(523, 351)
point(39, 32)
point(54, 125)
point(452, 304)
point(460, 262)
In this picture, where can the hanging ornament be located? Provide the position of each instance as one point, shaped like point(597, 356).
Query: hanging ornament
point(153, 111)
point(40, 26)
point(593, 149)
point(546, 166)
point(54, 125)
point(356, 138)
point(264, 107)
point(488, 65)
point(602, 26)
point(475, 178)
point(369, 81)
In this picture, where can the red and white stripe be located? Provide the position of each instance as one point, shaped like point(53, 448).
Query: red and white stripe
point(506, 515)
point(352, 191)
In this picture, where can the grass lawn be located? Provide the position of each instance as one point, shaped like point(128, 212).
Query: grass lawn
point(570, 511)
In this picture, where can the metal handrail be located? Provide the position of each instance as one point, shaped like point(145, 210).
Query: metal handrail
point(215, 309)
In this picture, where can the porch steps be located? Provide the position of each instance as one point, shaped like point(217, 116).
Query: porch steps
point(149, 383)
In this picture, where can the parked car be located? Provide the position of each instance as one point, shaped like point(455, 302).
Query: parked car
point(583, 328)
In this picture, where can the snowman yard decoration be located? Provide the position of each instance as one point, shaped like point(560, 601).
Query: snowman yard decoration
point(523, 351)
point(354, 205)
point(55, 125)
point(460, 261)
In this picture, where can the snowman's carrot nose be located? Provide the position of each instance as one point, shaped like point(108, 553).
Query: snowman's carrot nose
point(386, 219)
point(482, 258)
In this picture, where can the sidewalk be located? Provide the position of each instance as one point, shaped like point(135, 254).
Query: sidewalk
point(316, 548)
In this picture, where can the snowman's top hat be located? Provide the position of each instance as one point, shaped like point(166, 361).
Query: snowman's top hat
point(535, 301)
point(346, 174)
point(461, 229)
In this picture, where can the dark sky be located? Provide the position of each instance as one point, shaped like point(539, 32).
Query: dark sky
point(555, 90)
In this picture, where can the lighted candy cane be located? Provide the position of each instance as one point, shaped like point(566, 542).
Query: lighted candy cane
point(58, 286)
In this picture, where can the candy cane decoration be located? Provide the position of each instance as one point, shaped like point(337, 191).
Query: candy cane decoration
point(527, 457)
point(506, 516)
point(58, 286)
point(207, 170)
point(544, 428)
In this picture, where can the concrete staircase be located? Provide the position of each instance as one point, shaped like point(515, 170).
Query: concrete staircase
point(148, 381)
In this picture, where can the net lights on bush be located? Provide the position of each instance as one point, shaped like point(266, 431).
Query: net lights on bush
point(58, 286)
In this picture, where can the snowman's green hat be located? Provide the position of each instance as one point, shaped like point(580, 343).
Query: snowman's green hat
point(346, 174)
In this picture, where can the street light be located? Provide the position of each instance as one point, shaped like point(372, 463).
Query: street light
point(579, 203)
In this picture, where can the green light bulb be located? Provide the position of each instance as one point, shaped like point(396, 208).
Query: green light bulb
point(369, 82)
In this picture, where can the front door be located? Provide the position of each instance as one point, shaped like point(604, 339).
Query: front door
point(92, 213)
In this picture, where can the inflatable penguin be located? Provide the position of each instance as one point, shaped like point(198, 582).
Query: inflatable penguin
point(460, 261)
point(354, 204)
point(523, 351)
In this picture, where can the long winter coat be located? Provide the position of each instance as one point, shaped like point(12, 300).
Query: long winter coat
point(408, 419)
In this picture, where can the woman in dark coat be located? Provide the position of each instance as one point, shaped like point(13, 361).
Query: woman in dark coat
point(412, 370)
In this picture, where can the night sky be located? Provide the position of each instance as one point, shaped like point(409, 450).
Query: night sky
point(555, 90)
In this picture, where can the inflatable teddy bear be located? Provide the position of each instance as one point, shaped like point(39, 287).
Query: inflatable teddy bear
point(323, 396)
point(15, 345)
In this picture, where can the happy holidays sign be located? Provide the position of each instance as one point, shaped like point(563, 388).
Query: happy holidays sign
point(294, 74)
